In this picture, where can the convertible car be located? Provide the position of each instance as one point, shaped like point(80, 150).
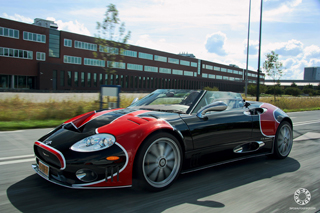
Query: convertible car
point(168, 132)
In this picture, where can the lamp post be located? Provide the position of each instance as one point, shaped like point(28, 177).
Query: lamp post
point(258, 78)
point(246, 73)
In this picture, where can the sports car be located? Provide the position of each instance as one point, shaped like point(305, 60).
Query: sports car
point(168, 132)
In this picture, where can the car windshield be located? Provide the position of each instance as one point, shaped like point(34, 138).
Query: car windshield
point(168, 100)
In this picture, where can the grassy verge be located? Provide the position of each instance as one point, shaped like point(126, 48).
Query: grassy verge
point(15, 125)
point(16, 113)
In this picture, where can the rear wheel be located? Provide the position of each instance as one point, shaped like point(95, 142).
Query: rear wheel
point(283, 140)
point(158, 162)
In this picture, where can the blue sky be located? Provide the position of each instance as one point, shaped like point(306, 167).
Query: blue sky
point(210, 29)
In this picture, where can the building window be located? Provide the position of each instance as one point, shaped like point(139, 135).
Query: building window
point(16, 53)
point(101, 79)
point(10, 33)
point(76, 81)
point(223, 70)
point(89, 79)
point(34, 37)
point(188, 73)
point(117, 65)
point(82, 79)
point(225, 78)
point(209, 67)
point(212, 76)
point(41, 56)
point(185, 63)
point(94, 62)
point(71, 59)
point(136, 67)
point(150, 69)
point(218, 77)
point(69, 78)
point(106, 79)
point(235, 72)
point(177, 72)
point(164, 70)
point(85, 45)
point(173, 60)
point(216, 68)
point(204, 75)
point(160, 58)
point(145, 56)
point(54, 43)
point(129, 53)
point(230, 71)
point(240, 73)
point(67, 42)
point(95, 82)
point(194, 64)
point(107, 49)
point(62, 78)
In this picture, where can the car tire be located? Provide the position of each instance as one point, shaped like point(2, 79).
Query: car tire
point(283, 140)
point(158, 162)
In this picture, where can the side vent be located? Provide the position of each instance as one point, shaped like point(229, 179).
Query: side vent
point(110, 172)
point(248, 147)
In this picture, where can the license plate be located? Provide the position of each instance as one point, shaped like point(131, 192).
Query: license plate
point(44, 169)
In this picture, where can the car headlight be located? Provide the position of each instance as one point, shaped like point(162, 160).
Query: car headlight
point(94, 143)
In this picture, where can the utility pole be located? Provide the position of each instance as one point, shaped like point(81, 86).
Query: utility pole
point(246, 73)
point(258, 78)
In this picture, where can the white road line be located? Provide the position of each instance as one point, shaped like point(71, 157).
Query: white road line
point(306, 122)
point(15, 157)
point(17, 161)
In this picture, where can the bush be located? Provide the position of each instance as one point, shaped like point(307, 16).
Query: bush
point(295, 91)
point(277, 89)
point(211, 88)
point(252, 89)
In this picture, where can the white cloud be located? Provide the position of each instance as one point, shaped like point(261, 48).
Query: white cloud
point(70, 26)
point(215, 43)
point(18, 17)
point(311, 52)
point(159, 44)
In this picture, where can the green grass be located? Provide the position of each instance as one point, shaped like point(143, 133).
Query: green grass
point(16, 113)
point(15, 125)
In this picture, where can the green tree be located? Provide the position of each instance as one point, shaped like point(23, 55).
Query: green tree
point(252, 89)
point(273, 68)
point(111, 39)
point(294, 84)
point(295, 91)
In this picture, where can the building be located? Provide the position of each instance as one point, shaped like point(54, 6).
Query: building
point(311, 73)
point(38, 56)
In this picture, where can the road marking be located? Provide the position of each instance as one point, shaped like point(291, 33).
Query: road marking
point(17, 161)
point(306, 122)
point(15, 157)
point(308, 136)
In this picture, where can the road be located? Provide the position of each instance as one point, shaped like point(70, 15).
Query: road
point(253, 185)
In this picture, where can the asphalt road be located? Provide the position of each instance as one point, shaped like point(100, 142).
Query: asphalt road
point(253, 185)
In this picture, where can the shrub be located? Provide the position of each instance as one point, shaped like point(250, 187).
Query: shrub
point(295, 91)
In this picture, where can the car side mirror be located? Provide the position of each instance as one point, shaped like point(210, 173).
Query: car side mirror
point(215, 106)
point(134, 100)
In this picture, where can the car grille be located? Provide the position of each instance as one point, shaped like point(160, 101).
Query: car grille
point(47, 157)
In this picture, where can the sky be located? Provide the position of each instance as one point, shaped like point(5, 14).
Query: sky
point(212, 30)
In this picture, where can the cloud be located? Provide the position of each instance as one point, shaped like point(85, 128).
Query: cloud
point(70, 26)
point(311, 52)
point(159, 44)
point(18, 17)
point(274, 9)
point(215, 43)
point(290, 48)
point(253, 47)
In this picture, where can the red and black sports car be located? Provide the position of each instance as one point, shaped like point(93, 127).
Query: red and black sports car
point(158, 137)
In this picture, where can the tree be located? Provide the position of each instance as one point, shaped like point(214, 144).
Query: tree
point(252, 89)
point(294, 84)
point(111, 40)
point(273, 68)
point(295, 91)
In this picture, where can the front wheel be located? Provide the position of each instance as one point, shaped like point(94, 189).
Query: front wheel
point(283, 141)
point(158, 162)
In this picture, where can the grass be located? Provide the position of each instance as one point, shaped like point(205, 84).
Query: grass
point(17, 113)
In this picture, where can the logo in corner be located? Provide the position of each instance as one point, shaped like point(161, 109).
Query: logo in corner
point(48, 142)
point(302, 196)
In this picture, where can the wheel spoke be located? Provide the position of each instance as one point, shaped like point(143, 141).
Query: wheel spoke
point(150, 159)
point(160, 175)
point(150, 168)
point(161, 146)
point(154, 174)
point(167, 151)
point(167, 171)
point(154, 151)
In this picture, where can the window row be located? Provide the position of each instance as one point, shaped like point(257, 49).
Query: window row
point(89, 80)
point(215, 68)
point(34, 37)
point(71, 59)
point(16, 53)
point(94, 62)
point(85, 45)
point(7, 32)
point(107, 49)
point(220, 77)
